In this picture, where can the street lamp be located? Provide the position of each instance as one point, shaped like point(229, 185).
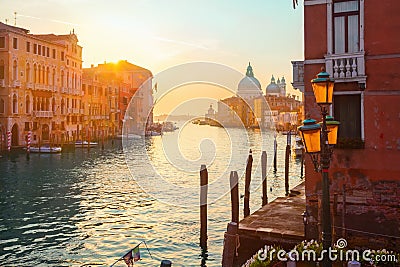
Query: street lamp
point(318, 140)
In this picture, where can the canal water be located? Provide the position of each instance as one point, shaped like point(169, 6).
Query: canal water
point(89, 207)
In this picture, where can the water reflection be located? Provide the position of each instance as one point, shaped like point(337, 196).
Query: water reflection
point(85, 208)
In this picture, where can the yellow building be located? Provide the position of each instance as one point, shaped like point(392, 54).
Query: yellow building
point(40, 86)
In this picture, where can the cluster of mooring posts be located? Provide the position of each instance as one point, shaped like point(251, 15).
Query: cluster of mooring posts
point(232, 237)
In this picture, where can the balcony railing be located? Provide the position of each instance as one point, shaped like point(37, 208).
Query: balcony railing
point(17, 83)
point(2, 83)
point(43, 114)
point(29, 85)
point(346, 67)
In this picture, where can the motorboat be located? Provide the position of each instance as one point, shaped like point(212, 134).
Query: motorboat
point(85, 144)
point(45, 149)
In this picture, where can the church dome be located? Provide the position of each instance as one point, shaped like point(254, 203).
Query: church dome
point(273, 88)
point(249, 86)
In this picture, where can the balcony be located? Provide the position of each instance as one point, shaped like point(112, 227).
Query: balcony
point(29, 85)
point(298, 75)
point(43, 114)
point(346, 67)
point(2, 83)
point(73, 110)
point(17, 83)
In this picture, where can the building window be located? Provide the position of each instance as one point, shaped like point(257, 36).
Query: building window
point(15, 105)
point(27, 105)
point(54, 53)
point(48, 52)
point(2, 69)
point(35, 48)
point(44, 51)
point(62, 55)
point(15, 70)
point(35, 126)
point(39, 50)
point(346, 21)
point(2, 106)
point(27, 124)
point(28, 47)
point(2, 42)
point(347, 110)
point(15, 43)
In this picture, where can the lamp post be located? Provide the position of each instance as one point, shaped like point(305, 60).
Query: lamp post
point(318, 140)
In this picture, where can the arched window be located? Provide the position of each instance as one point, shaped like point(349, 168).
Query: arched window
point(53, 78)
point(38, 104)
point(15, 104)
point(28, 73)
point(34, 73)
point(2, 107)
point(27, 105)
point(2, 69)
point(47, 75)
point(15, 70)
point(47, 104)
point(67, 79)
point(53, 104)
point(62, 106)
point(34, 104)
point(39, 72)
point(43, 74)
point(62, 78)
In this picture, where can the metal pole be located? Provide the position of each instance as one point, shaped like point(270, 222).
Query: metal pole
point(326, 214)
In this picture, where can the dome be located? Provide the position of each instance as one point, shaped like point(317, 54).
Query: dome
point(249, 86)
point(273, 88)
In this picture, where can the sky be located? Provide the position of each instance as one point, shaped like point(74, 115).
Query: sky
point(160, 34)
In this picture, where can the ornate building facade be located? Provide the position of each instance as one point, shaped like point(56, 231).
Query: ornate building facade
point(40, 86)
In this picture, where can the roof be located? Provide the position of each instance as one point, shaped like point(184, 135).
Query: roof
point(13, 28)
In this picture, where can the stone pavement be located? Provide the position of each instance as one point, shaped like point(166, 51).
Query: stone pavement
point(278, 222)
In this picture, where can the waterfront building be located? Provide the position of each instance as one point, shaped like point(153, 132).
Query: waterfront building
point(284, 111)
point(358, 43)
point(125, 83)
point(40, 86)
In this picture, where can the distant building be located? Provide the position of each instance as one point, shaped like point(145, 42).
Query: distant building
point(40, 86)
point(116, 85)
point(250, 105)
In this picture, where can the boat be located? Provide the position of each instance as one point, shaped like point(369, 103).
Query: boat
point(299, 147)
point(45, 149)
point(85, 144)
point(128, 136)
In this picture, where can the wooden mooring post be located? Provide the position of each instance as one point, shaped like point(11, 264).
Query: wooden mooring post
point(287, 155)
point(203, 206)
point(231, 237)
point(264, 177)
point(246, 211)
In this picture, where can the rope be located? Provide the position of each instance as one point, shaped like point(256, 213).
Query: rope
point(237, 245)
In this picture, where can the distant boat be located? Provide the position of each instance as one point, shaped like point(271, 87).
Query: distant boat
point(85, 144)
point(202, 123)
point(128, 136)
point(45, 149)
point(298, 148)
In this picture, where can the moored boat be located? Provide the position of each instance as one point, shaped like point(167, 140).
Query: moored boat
point(85, 144)
point(45, 149)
